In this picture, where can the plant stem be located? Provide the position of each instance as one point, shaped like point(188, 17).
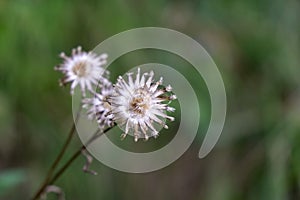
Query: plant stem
point(77, 153)
point(70, 161)
point(59, 157)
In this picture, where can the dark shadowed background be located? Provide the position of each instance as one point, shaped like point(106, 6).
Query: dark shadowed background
point(256, 45)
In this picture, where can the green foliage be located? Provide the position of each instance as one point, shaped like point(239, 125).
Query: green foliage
point(10, 179)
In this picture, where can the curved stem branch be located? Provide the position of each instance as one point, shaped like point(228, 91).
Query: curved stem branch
point(59, 157)
point(50, 181)
point(77, 153)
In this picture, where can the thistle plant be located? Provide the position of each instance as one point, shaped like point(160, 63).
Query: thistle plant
point(136, 103)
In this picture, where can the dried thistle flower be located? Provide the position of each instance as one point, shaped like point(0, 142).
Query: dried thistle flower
point(83, 68)
point(138, 103)
point(98, 107)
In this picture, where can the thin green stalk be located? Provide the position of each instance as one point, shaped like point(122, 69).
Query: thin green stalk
point(50, 180)
point(59, 157)
point(76, 154)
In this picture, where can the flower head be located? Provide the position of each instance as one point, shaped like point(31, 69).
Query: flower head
point(98, 108)
point(138, 104)
point(83, 68)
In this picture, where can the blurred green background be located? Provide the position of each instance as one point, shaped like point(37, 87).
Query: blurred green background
point(256, 45)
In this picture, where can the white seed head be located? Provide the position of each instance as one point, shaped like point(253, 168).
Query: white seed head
point(139, 103)
point(83, 68)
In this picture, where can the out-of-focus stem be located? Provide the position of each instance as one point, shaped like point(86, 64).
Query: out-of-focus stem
point(50, 181)
point(59, 156)
point(77, 153)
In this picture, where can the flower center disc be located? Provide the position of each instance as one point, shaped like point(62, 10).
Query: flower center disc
point(140, 103)
point(80, 69)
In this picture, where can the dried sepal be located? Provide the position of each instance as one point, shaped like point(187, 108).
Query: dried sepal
point(53, 189)
point(89, 160)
